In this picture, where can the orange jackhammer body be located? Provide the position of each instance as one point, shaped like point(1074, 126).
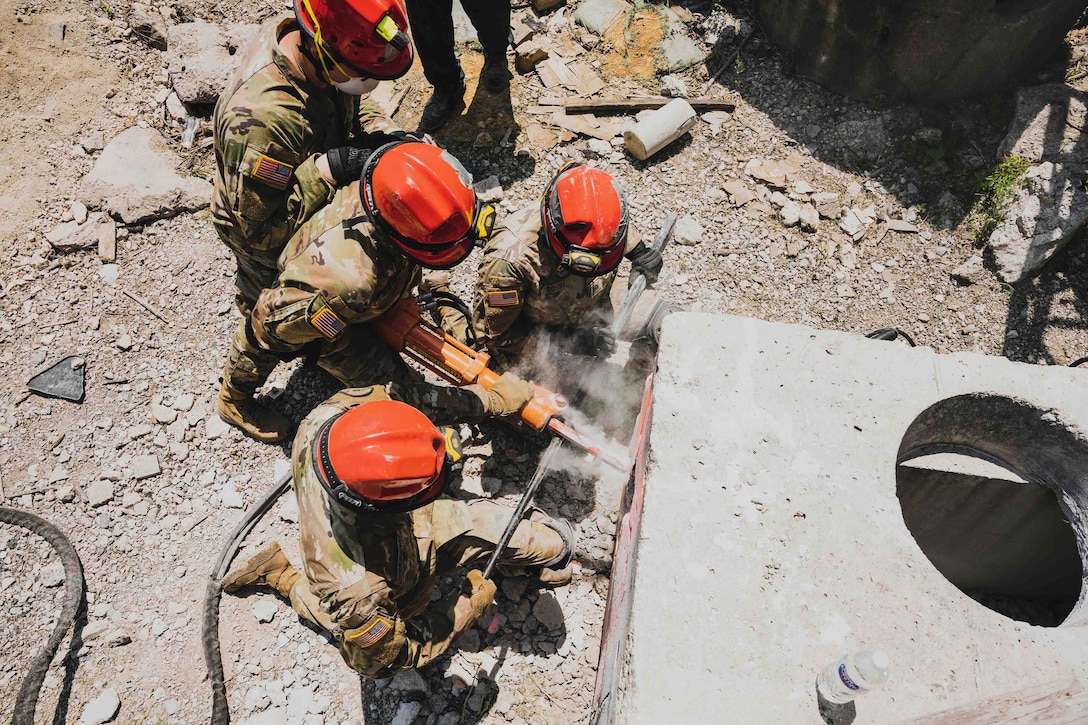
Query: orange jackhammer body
point(404, 329)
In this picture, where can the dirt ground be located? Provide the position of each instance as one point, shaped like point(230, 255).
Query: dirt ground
point(148, 551)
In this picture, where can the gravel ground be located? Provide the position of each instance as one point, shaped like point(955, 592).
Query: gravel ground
point(148, 539)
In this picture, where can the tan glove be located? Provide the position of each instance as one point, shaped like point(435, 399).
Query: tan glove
point(477, 595)
point(508, 396)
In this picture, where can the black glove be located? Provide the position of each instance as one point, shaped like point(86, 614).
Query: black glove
point(592, 341)
point(346, 163)
point(646, 261)
point(381, 138)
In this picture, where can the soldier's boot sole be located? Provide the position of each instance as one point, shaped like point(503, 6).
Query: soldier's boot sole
point(252, 418)
point(268, 567)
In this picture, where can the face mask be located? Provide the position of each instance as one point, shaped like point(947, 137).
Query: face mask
point(357, 86)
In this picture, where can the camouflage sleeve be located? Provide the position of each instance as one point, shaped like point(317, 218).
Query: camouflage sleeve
point(498, 302)
point(443, 404)
point(275, 188)
point(372, 119)
point(286, 318)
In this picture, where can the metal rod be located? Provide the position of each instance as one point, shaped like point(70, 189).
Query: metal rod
point(638, 284)
point(542, 469)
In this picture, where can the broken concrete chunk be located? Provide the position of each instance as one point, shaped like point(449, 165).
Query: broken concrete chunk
point(528, 55)
point(148, 26)
point(489, 189)
point(899, 225)
point(970, 272)
point(136, 179)
point(1048, 125)
point(99, 493)
point(679, 52)
point(769, 172)
point(827, 204)
point(599, 15)
point(200, 58)
point(740, 192)
point(790, 213)
point(145, 467)
point(688, 231)
point(809, 218)
point(101, 709)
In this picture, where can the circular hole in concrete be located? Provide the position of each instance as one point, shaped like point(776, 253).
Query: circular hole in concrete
point(991, 489)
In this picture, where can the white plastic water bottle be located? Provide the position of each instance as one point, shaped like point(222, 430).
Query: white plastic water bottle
point(857, 672)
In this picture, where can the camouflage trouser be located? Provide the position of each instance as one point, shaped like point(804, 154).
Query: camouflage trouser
point(357, 359)
point(533, 544)
point(256, 272)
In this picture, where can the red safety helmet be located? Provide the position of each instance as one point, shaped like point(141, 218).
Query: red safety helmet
point(384, 456)
point(584, 215)
point(421, 197)
point(358, 37)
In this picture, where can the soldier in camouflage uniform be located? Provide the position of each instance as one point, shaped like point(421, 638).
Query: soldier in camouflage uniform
point(282, 130)
point(375, 535)
point(353, 261)
point(547, 274)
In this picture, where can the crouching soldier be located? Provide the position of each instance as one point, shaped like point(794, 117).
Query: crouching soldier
point(548, 271)
point(376, 532)
point(351, 262)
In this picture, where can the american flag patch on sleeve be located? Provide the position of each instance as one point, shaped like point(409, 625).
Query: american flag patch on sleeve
point(272, 172)
point(327, 323)
point(502, 298)
point(371, 632)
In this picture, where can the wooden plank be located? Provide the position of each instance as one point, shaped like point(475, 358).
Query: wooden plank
point(562, 72)
point(1057, 701)
point(613, 106)
point(586, 81)
point(547, 76)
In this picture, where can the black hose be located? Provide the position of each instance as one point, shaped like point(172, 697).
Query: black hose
point(213, 658)
point(1078, 362)
point(448, 299)
point(890, 333)
point(26, 702)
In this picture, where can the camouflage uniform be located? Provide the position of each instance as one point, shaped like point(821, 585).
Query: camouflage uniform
point(334, 275)
point(270, 126)
point(368, 578)
point(523, 294)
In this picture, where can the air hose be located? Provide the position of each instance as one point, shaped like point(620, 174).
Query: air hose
point(26, 702)
point(213, 658)
point(890, 333)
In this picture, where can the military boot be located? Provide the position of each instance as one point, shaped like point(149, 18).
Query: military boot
point(557, 572)
point(268, 567)
point(251, 417)
point(495, 74)
point(442, 104)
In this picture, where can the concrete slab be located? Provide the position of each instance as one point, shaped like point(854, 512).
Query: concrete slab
point(772, 538)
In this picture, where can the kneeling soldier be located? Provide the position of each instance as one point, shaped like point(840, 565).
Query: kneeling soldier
point(376, 532)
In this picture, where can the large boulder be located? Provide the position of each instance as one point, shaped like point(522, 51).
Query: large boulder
point(201, 58)
point(1048, 209)
point(136, 180)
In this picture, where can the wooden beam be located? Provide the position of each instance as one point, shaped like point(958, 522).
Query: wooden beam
point(1059, 701)
point(613, 106)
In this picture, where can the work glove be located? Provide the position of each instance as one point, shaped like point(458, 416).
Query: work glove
point(346, 163)
point(476, 596)
point(381, 138)
point(646, 261)
point(592, 341)
point(508, 396)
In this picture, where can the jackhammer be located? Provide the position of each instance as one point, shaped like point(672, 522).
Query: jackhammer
point(404, 329)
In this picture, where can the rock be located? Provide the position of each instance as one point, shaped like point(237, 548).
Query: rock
point(130, 499)
point(256, 699)
point(107, 241)
point(790, 213)
point(864, 135)
point(92, 143)
point(101, 709)
point(410, 681)
point(66, 494)
point(200, 58)
point(265, 610)
point(809, 218)
point(469, 641)
point(184, 402)
point(299, 702)
point(51, 575)
point(971, 271)
point(928, 136)
point(94, 630)
point(136, 179)
point(1048, 126)
point(148, 26)
point(109, 273)
point(1046, 212)
point(79, 211)
point(406, 713)
point(548, 612)
point(289, 508)
point(175, 108)
point(688, 231)
point(827, 204)
point(598, 16)
point(489, 189)
point(162, 414)
point(739, 191)
point(853, 190)
point(529, 55)
point(172, 707)
point(145, 467)
point(679, 52)
point(232, 499)
point(812, 130)
point(215, 427)
point(117, 638)
point(802, 187)
point(99, 493)
point(598, 148)
point(72, 236)
point(673, 87)
point(899, 225)
point(483, 141)
point(770, 172)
